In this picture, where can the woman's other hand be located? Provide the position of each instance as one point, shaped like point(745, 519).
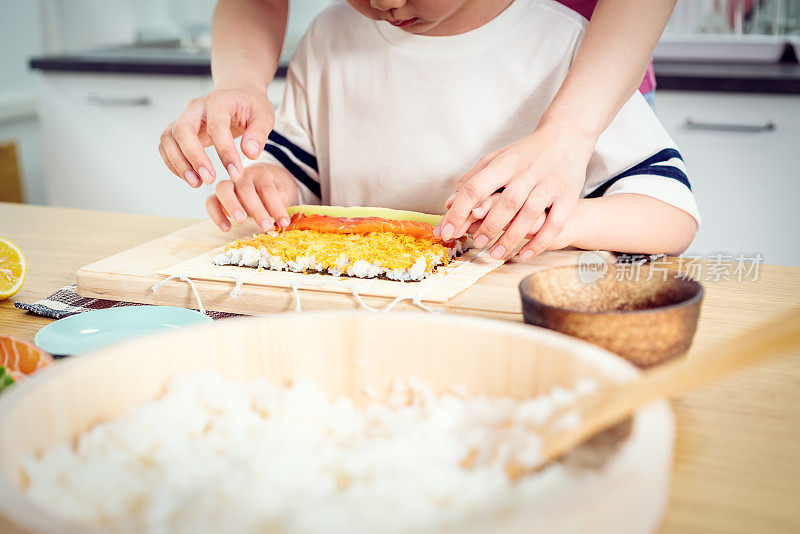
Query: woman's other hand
point(541, 176)
point(217, 118)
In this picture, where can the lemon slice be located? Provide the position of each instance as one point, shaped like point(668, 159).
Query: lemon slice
point(13, 268)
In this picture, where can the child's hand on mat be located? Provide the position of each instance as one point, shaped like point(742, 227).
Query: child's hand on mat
point(217, 119)
point(541, 176)
point(263, 192)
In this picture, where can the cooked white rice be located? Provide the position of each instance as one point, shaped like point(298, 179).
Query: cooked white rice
point(260, 258)
point(218, 456)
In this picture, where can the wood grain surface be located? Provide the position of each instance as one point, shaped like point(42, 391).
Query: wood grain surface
point(737, 464)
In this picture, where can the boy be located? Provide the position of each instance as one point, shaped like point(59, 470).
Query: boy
point(388, 104)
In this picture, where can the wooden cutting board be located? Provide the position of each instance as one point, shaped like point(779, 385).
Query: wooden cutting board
point(131, 275)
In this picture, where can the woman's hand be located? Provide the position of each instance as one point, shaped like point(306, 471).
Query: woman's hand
point(563, 240)
point(263, 192)
point(542, 176)
point(217, 119)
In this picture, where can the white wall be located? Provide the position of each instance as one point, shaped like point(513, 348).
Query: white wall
point(75, 25)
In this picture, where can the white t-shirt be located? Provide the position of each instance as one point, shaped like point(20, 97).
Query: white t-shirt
point(375, 116)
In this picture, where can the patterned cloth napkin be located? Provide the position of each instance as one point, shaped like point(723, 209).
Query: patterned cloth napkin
point(66, 302)
point(638, 259)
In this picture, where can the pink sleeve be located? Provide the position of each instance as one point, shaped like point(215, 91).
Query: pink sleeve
point(649, 82)
point(584, 7)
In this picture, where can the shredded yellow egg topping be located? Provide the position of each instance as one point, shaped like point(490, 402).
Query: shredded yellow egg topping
point(387, 249)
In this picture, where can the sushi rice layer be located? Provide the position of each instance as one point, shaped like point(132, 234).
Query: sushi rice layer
point(376, 254)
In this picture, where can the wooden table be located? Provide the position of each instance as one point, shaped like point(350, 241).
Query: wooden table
point(737, 465)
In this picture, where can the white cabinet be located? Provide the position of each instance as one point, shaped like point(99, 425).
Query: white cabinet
point(101, 133)
point(742, 152)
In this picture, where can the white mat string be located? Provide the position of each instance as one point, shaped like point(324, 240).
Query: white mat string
point(335, 282)
point(186, 279)
point(357, 296)
point(415, 298)
point(240, 279)
point(296, 292)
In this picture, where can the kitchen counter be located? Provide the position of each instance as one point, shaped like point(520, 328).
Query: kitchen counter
point(737, 456)
point(781, 78)
point(170, 59)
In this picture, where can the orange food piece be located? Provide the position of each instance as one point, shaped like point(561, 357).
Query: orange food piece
point(360, 225)
point(21, 358)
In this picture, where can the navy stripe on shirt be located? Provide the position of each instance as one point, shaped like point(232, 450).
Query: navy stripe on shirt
point(303, 156)
point(301, 175)
point(649, 166)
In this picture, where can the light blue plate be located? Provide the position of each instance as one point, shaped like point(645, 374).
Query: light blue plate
point(91, 330)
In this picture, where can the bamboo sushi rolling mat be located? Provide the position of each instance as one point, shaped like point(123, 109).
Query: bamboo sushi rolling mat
point(179, 264)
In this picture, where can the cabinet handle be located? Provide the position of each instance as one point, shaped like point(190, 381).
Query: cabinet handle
point(722, 127)
point(118, 101)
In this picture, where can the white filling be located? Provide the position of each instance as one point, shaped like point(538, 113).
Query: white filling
point(253, 257)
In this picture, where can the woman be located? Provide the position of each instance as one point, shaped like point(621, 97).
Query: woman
point(547, 167)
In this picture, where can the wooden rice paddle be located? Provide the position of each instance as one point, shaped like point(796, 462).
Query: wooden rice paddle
point(611, 404)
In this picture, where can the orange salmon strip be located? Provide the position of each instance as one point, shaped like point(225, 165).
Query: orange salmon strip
point(360, 225)
point(21, 358)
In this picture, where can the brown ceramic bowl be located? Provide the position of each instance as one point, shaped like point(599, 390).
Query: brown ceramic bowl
point(647, 319)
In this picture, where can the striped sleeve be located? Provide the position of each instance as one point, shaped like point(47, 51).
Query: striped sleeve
point(300, 163)
point(636, 155)
point(290, 144)
point(668, 163)
point(662, 176)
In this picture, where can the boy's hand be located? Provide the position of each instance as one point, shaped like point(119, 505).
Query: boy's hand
point(263, 192)
point(217, 119)
point(542, 176)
